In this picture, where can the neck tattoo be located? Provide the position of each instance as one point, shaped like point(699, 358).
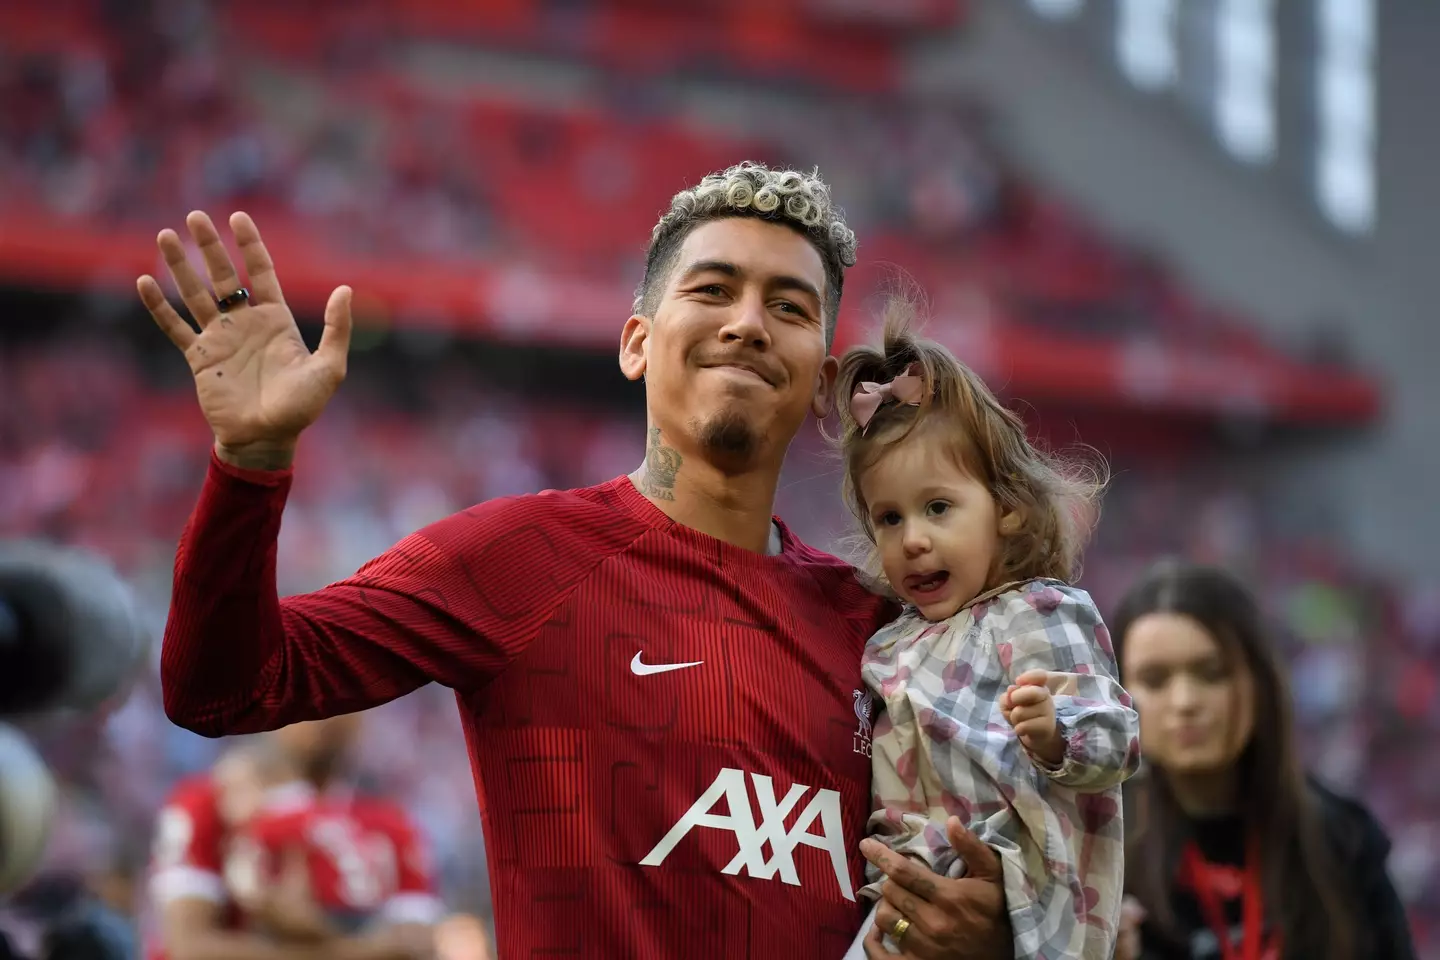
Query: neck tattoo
point(662, 463)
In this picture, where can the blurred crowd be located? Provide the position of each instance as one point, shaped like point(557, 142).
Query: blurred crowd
point(347, 135)
point(371, 136)
point(127, 116)
point(92, 455)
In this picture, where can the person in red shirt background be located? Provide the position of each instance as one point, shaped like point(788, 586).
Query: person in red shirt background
point(266, 797)
point(303, 863)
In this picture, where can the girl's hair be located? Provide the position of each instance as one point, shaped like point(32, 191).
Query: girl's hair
point(1304, 894)
point(1053, 499)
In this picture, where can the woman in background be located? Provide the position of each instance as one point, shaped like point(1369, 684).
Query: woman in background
point(1232, 852)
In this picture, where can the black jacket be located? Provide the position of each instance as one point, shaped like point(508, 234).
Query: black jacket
point(1360, 848)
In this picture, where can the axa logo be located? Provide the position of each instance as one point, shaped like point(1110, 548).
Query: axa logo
point(823, 808)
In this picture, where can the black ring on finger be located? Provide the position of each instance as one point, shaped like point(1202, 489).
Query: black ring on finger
point(223, 304)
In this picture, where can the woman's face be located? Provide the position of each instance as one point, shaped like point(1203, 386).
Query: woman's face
point(1196, 710)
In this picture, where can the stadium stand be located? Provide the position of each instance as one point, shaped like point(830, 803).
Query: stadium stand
point(490, 173)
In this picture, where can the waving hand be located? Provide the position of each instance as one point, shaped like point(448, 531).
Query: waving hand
point(258, 384)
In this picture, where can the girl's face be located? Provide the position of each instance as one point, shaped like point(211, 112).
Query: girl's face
point(1196, 706)
point(936, 527)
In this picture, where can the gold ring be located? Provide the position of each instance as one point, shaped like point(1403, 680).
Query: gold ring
point(897, 932)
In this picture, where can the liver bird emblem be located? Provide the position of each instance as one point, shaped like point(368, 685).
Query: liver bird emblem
point(862, 711)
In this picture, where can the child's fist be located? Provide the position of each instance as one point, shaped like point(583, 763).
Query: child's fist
point(1030, 708)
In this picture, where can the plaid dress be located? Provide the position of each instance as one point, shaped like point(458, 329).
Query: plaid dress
point(944, 748)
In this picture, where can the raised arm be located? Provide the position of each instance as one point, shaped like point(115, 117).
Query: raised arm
point(236, 658)
point(1052, 634)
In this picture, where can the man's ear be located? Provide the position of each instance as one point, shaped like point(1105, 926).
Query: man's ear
point(825, 388)
point(634, 347)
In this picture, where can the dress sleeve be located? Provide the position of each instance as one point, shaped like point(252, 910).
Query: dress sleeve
point(1053, 627)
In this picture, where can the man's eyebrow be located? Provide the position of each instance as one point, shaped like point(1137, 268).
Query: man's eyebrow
point(729, 269)
point(797, 283)
point(710, 266)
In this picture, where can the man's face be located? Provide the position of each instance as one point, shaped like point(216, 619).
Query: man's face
point(240, 788)
point(735, 355)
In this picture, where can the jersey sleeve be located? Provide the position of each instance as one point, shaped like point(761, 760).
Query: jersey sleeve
point(187, 851)
point(1056, 628)
point(413, 895)
point(453, 603)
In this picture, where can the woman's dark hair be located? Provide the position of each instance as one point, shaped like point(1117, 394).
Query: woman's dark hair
point(1304, 893)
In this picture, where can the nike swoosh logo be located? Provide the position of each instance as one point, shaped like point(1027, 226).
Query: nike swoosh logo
point(646, 669)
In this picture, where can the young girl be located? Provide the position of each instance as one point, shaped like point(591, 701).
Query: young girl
point(998, 679)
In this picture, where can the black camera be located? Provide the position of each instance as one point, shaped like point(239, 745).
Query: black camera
point(70, 640)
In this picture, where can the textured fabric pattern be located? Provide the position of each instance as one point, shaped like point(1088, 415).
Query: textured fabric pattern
point(943, 748)
point(671, 754)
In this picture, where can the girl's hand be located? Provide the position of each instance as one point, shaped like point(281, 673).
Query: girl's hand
point(1030, 708)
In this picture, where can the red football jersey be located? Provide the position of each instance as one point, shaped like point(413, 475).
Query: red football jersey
point(187, 858)
point(364, 859)
point(343, 869)
point(367, 861)
point(400, 851)
point(669, 734)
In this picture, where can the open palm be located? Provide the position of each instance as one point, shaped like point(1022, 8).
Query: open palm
point(258, 384)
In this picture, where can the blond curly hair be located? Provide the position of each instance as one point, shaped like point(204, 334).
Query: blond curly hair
point(797, 200)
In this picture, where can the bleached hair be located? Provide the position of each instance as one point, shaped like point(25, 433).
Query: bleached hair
point(797, 200)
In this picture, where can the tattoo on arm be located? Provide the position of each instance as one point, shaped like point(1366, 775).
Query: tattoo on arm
point(263, 458)
point(661, 465)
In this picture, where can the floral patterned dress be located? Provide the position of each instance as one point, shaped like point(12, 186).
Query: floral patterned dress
point(943, 748)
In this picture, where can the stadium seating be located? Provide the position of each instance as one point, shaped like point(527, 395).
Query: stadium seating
point(493, 170)
point(393, 171)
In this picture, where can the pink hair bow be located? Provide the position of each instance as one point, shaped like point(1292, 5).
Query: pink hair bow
point(909, 388)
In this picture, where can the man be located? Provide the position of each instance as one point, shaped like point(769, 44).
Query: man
point(659, 683)
point(194, 912)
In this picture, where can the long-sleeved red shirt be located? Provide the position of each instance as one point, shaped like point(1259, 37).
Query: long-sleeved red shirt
point(669, 734)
